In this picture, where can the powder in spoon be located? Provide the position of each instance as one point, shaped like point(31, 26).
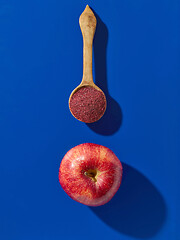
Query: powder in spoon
point(87, 104)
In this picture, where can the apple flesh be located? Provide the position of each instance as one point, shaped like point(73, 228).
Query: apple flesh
point(90, 174)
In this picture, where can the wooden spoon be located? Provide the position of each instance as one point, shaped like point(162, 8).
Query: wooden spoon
point(87, 22)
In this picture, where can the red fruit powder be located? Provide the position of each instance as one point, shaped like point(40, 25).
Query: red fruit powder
point(87, 104)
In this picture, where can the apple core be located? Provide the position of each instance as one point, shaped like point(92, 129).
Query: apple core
point(92, 173)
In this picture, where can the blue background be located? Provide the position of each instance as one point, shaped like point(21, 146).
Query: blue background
point(136, 63)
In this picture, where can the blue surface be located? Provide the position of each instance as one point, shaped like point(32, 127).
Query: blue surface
point(136, 63)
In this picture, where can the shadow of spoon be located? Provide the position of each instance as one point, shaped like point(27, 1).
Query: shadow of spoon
point(112, 119)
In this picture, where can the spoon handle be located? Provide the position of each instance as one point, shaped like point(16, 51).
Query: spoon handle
point(87, 22)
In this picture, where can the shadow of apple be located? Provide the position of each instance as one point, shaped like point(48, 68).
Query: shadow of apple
point(137, 209)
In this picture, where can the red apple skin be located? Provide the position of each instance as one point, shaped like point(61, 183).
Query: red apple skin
point(83, 188)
